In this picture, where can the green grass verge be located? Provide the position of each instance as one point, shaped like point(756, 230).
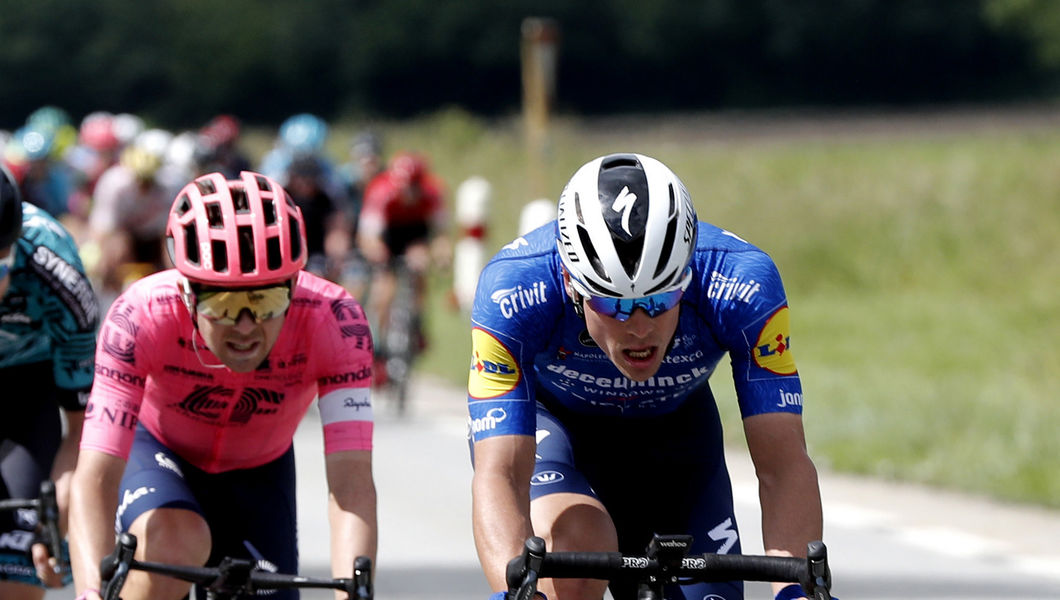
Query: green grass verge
point(922, 271)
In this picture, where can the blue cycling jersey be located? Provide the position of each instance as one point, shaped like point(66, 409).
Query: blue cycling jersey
point(527, 339)
point(49, 312)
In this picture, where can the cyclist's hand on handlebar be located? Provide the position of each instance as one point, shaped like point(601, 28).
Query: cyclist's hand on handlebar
point(47, 566)
point(793, 592)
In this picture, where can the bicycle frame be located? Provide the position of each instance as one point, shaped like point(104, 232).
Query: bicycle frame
point(666, 562)
point(232, 578)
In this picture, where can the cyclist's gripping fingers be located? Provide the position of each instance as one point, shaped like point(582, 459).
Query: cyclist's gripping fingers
point(47, 567)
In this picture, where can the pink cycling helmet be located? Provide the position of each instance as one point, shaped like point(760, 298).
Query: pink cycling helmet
point(240, 232)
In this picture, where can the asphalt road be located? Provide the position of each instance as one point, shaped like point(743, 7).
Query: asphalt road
point(885, 540)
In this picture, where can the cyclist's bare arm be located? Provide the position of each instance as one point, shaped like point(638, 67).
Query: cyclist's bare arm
point(93, 503)
point(500, 495)
point(351, 509)
point(787, 483)
point(65, 461)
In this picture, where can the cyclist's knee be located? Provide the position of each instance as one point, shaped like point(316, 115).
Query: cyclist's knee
point(172, 535)
point(573, 522)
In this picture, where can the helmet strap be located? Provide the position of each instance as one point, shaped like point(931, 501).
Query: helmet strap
point(576, 299)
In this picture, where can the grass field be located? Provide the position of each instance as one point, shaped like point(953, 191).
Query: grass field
point(922, 265)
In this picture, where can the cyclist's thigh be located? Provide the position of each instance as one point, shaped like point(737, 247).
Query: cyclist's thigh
point(155, 477)
point(663, 474)
point(29, 438)
point(256, 507)
point(555, 470)
point(563, 508)
point(31, 422)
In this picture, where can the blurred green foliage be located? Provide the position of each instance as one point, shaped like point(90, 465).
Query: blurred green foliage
point(179, 62)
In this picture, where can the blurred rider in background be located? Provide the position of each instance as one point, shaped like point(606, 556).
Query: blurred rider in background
point(97, 150)
point(32, 155)
point(303, 134)
point(328, 237)
point(403, 220)
point(48, 319)
point(366, 161)
point(128, 219)
point(217, 147)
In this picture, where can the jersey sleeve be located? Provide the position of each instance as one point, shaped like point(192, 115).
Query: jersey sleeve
point(516, 304)
point(344, 381)
point(73, 333)
point(71, 311)
point(373, 208)
point(751, 315)
point(120, 377)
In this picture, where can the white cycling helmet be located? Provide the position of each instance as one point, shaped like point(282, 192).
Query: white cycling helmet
point(627, 227)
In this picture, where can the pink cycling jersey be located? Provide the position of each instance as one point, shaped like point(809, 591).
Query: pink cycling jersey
point(148, 372)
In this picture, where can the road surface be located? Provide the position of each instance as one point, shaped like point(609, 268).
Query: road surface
point(885, 540)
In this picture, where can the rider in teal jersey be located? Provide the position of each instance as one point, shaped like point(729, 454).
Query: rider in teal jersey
point(48, 319)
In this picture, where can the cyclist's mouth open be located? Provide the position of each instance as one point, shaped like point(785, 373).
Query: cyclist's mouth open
point(248, 347)
point(640, 356)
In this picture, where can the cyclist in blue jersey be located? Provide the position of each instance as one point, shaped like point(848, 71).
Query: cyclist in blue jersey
point(591, 417)
point(48, 318)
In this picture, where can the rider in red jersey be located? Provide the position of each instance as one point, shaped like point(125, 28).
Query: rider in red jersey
point(403, 218)
point(204, 373)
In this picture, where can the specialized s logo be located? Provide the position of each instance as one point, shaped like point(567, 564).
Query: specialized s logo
point(772, 352)
point(624, 204)
point(493, 369)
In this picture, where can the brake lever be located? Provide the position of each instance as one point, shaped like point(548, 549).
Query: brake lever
point(820, 576)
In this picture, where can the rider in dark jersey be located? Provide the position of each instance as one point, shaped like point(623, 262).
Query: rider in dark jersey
point(592, 420)
point(48, 318)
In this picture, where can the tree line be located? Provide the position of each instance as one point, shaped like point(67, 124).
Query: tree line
point(178, 62)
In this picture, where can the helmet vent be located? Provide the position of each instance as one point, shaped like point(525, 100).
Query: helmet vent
point(206, 186)
point(671, 233)
point(592, 254)
point(183, 205)
point(270, 212)
point(619, 160)
point(578, 208)
point(666, 282)
point(272, 253)
point(213, 216)
point(220, 256)
point(629, 253)
point(246, 249)
point(296, 239)
point(263, 184)
point(240, 203)
point(191, 244)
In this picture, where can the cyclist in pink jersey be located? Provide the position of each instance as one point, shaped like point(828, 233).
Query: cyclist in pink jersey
point(204, 373)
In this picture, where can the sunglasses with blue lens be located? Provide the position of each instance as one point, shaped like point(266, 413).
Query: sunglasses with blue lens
point(621, 309)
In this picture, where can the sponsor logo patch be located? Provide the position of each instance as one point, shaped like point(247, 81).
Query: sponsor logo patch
point(546, 477)
point(772, 352)
point(512, 300)
point(493, 369)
